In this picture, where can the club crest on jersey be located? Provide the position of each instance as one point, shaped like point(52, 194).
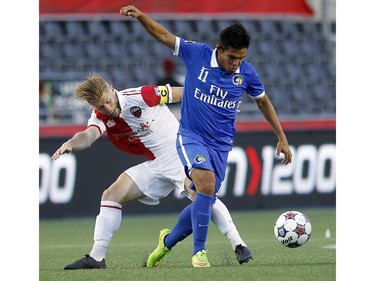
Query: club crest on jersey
point(200, 159)
point(110, 123)
point(237, 80)
point(136, 111)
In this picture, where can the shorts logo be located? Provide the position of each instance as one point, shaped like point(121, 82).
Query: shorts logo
point(200, 159)
point(237, 80)
point(136, 111)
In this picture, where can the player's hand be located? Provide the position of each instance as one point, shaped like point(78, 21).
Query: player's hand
point(283, 148)
point(130, 11)
point(65, 148)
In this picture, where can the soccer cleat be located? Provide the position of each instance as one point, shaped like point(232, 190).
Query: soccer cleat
point(86, 263)
point(200, 259)
point(243, 254)
point(160, 252)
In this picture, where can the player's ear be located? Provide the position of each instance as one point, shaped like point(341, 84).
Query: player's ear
point(220, 48)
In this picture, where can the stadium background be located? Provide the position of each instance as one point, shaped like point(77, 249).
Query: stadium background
point(293, 49)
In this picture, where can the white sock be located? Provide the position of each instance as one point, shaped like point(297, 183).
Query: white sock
point(223, 220)
point(107, 223)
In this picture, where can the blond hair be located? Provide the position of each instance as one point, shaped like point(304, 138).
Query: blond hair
point(92, 89)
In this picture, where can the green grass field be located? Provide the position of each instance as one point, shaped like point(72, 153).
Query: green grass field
point(66, 240)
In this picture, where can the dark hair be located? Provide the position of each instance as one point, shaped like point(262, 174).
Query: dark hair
point(234, 36)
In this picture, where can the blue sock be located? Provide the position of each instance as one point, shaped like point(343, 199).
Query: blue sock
point(181, 230)
point(200, 217)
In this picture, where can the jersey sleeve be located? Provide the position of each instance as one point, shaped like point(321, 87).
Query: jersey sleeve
point(155, 95)
point(188, 51)
point(95, 121)
point(255, 87)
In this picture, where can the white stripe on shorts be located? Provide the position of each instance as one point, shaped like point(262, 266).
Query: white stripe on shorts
point(184, 153)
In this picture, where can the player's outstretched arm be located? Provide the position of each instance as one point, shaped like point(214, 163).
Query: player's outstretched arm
point(177, 94)
point(268, 111)
point(155, 29)
point(79, 141)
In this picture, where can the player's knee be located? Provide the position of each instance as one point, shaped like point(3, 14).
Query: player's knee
point(204, 181)
point(106, 195)
point(207, 189)
point(110, 194)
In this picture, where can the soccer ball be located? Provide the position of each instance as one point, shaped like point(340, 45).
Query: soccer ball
point(292, 229)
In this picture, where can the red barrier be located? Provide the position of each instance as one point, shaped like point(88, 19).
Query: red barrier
point(242, 126)
point(286, 7)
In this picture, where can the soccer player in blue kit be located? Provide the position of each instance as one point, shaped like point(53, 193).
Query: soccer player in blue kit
point(214, 83)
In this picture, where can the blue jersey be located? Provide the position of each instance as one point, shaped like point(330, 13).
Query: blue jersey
point(211, 95)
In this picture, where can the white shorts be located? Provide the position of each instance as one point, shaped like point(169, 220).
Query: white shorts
point(157, 178)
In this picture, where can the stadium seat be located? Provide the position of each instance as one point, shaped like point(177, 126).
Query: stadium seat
point(222, 24)
point(311, 29)
point(251, 28)
point(289, 47)
point(204, 27)
point(289, 29)
point(293, 71)
point(75, 30)
point(136, 31)
point(267, 47)
point(277, 95)
point(268, 28)
point(118, 29)
point(184, 28)
point(94, 49)
point(118, 77)
point(72, 50)
point(115, 49)
point(53, 30)
point(97, 29)
point(300, 96)
point(314, 73)
point(319, 92)
point(157, 50)
point(49, 50)
point(136, 50)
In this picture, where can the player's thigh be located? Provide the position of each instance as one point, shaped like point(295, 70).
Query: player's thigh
point(204, 180)
point(123, 190)
point(155, 182)
point(193, 155)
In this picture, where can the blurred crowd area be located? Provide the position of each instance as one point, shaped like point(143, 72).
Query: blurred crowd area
point(294, 57)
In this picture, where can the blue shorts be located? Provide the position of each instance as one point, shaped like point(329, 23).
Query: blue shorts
point(195, 154)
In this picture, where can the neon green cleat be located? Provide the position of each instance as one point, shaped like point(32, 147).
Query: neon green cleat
point(160, 252)
point(200, 259)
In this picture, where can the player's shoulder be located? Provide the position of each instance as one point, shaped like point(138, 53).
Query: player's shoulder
point(247, 66)
point(130, 91)
point(130, 94)
point(150, 95)
point(247, 69)
point(140, 96)
point(194, 44)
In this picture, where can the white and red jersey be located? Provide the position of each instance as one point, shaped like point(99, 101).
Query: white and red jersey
point(144, 127)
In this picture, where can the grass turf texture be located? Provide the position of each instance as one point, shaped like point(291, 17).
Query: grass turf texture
point(66, 240)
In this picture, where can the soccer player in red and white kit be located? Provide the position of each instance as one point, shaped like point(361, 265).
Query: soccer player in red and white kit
point(137, 121)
